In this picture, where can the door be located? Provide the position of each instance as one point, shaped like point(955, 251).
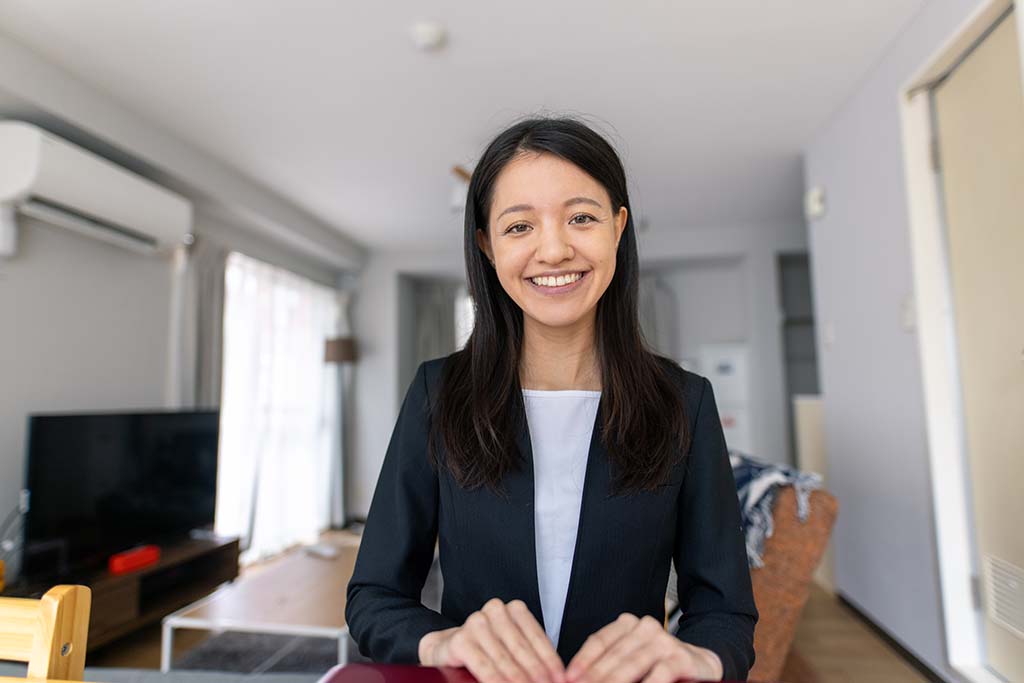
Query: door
point(979, 117)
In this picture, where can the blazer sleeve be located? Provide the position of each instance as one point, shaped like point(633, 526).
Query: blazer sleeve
point(714, 586)
point(383, 609)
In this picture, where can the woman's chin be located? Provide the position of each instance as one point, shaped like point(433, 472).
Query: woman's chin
point(556, 319)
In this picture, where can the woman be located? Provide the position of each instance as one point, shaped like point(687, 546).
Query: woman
point(560, 463)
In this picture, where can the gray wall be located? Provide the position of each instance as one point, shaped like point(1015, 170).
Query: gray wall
point(381, 310)
point(711, 303)
point(85, 327)
point(757, 248)
point(885, 550)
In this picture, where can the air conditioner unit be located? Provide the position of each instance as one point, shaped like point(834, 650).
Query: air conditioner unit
point(49, 178)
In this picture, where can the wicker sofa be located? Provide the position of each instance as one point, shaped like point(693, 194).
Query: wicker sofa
point(782, 585)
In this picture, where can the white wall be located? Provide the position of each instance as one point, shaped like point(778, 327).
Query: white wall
point(232, 236)
point(885, 551)
point(756, 248)
point(711, 303)
point(84, 327)
point(377, 309)
point(33, 89)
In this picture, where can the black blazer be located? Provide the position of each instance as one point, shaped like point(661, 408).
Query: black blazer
point(623, 548)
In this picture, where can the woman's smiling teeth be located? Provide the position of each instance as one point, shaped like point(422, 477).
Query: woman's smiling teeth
point(558, 281)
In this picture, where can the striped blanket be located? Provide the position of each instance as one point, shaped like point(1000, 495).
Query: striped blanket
point(756, 484)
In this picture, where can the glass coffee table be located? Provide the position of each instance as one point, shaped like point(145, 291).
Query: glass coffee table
point(299, 594)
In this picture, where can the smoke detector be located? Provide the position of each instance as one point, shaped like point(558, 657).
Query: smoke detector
point(428, 35)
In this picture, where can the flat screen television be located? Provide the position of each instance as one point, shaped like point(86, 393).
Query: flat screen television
point(100, 483)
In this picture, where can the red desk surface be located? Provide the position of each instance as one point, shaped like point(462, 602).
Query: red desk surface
point(396, 673)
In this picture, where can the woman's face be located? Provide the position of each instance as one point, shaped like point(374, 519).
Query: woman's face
point(551, 220)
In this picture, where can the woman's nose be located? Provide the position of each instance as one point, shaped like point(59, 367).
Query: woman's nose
point(554, 245)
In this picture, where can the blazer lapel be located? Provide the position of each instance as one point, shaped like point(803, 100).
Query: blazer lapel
point(596, 484)
point(522, 538)
point(595, 488)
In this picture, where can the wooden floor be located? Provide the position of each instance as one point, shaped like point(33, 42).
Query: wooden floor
point(832, 645)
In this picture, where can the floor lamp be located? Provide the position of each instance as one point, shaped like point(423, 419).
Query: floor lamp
point(340, 352)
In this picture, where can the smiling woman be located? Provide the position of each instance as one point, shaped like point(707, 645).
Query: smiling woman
point(583, 228)
point(560, 463)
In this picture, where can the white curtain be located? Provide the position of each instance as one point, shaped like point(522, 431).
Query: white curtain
point(279, 408)
point(465, 316)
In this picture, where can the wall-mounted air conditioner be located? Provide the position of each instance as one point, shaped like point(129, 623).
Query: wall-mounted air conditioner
point(51, 179)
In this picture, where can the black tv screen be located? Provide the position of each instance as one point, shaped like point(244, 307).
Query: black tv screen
point(102, 483)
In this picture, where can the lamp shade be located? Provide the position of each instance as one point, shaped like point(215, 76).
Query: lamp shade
point(340, 350)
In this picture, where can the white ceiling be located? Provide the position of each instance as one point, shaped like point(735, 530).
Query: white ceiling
point(709, 102)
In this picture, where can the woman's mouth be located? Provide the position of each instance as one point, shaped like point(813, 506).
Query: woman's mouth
point(562, 284)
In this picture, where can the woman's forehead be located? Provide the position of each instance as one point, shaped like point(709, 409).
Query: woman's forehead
point(543, 181)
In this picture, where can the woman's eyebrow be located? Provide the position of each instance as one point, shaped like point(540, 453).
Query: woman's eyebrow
point(568, 202)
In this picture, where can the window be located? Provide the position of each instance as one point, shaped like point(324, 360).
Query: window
point(279, 408)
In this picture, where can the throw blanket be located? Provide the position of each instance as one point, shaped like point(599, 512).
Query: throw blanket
point(756, 484)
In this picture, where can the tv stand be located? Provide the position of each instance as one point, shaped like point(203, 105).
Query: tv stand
point(186, 571)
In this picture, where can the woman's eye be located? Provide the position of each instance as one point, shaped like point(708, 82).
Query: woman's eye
point(512, 228)
point(582, 215)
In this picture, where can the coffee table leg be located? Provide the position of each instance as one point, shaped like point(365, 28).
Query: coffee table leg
point(343, 648)
point(166, 646)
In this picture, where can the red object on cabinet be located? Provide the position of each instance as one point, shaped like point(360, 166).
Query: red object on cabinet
point(136, 558)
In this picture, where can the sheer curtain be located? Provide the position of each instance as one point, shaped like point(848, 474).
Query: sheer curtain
point(279, 408)
point(465, 316)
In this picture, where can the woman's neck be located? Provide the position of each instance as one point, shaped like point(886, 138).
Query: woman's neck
point(559, 358)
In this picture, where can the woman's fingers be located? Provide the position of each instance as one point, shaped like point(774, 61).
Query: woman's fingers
point(630, 658)
point(538, 640)
point(598, 643)
point(513, 640)
point(463, 649)
point(482, 630)
point(502, 643)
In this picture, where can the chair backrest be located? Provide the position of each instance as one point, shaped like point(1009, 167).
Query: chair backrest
point(49, 634)
point(782, 585)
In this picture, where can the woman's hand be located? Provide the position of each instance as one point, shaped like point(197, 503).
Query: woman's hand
point(500, 643)
point(632, 649)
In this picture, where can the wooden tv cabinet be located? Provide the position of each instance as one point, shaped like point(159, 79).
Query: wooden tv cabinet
point(185, 572)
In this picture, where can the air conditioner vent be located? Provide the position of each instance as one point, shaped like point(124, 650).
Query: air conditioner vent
point(1005, 594)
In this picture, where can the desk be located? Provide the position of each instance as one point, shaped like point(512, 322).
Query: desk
point(298, 594)
point(395, 673)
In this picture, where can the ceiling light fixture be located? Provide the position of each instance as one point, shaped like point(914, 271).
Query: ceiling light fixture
point(428, 35)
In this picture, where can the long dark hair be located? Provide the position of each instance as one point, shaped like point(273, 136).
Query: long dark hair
point(479, 407)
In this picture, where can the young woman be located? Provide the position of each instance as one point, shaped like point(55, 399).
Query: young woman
point(560, 464)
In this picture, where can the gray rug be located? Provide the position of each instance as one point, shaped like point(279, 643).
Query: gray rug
point(256, 653)
point(251, 653)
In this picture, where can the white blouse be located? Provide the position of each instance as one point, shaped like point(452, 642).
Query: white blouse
point(560, 424)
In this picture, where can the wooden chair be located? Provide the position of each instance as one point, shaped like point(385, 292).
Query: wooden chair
point(49, 633)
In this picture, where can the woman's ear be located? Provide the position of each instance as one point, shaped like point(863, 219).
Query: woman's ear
point(482, 242)
point(620, 224)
